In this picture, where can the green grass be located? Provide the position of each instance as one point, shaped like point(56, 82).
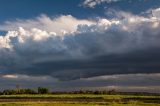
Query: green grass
point(117, 100)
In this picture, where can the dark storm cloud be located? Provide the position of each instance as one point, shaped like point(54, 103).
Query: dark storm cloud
point(128, 45)
point(143, 61)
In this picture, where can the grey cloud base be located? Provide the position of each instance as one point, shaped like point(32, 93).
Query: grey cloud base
point(128, 82)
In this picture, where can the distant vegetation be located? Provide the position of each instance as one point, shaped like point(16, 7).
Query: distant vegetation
point(40, 90)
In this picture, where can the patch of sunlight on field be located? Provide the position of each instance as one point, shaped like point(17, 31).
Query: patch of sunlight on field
point(49, 104)
point(132, 103)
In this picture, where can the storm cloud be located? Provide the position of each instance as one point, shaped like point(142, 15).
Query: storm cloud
point(126, 44)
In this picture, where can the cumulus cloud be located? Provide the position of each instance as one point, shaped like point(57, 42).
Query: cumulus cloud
point(125, 44)
point(56, 25)
point(93, 3)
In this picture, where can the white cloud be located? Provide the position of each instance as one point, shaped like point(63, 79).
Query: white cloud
point(29, 78)
point(124, 77)
point(93, 3)
point(10, 76)
point(56, 25)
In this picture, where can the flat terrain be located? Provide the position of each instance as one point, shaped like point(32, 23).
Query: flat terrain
point(78, 100)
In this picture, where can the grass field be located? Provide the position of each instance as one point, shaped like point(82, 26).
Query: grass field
point(78, 100)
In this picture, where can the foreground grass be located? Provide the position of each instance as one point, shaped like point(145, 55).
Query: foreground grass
point(80, 100)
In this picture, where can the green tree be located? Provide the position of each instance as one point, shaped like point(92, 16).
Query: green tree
point(42, 90)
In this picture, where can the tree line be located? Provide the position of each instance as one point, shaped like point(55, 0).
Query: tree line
point(43, 90)
point(40, 90)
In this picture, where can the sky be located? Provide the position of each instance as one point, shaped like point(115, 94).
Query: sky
point(80, 44)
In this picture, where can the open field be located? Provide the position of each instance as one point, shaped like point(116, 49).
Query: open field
point(78, 100)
